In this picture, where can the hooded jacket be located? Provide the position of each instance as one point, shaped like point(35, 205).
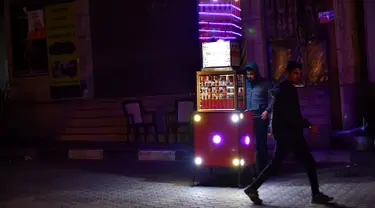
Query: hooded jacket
point(259, 92)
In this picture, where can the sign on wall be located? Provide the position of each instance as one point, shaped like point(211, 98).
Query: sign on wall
point(62, 44)
point(326, 17)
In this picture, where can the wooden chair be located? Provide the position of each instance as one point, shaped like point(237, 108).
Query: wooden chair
point(180, 118)
point(139, 119)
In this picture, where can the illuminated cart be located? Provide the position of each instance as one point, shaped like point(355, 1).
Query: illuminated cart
point(223, 130)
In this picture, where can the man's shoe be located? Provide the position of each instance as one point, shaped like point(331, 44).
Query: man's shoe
point(321, 198)
point(254, 196)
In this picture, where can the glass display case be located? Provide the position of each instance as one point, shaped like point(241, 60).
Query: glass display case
point(220, 91)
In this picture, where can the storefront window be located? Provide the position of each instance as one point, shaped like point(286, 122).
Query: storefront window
point(28, 41)
point(315, 71)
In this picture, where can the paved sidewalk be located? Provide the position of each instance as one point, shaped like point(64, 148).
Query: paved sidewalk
point(150, 184)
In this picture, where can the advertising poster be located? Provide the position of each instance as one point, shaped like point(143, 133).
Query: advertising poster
point(35, 20)
point(62, 44)
point(216, 54)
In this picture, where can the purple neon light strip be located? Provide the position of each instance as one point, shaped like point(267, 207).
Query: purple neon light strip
point(220, 5)
point(219, 14)
point(220, 23)
point(220, 31)
point(216, 37)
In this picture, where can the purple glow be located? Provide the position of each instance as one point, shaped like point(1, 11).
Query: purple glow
point(220, 5)
point(220, 31)
point(219, 14)
point(216, 37)
point(247, 140)
point(220, 23)
point(216, 139)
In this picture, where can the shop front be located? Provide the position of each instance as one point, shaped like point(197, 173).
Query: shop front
point(49, 65)
point(325, 38)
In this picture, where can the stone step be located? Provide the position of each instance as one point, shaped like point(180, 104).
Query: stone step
point(332, 156)
point(85, 154)
point(97, 122)
point(93, 137)
point(100, 120)
point(164, 155)
point(97, 130)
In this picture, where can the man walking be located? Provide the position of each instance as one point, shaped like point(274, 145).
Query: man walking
point(259, 100)
point(287, 129)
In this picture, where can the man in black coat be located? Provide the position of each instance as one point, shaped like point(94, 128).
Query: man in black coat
point(287, 129)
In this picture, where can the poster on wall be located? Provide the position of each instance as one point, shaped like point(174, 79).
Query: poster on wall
point(35, 21)
point(62, 45)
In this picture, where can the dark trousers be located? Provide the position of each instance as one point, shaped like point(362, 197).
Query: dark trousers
point(299, 148)
point(261, 146)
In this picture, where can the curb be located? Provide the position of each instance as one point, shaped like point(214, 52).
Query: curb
point(177, 155)
point(164, 155)
point(332, 156)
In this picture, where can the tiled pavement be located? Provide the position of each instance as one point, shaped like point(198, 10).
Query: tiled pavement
point(151, 184)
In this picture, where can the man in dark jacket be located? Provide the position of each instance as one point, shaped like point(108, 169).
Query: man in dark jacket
point(259, 100)
point(287, 129)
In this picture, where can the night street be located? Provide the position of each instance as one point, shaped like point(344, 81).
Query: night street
point(173, 104)
point(158, 184)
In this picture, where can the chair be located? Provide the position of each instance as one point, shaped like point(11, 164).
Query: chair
point(180, 118)
point(139, 118)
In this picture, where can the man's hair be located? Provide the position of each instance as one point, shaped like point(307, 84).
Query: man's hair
point(293, 65)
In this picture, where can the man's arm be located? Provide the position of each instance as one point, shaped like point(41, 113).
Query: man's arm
point(272, 91)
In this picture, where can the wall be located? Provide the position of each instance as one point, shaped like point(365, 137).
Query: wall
point(369, 14)
point(32, 113)
point(28, 120)
point(36, 88)
point(104, 120)
point(3, 38)
point(315, 106)
point(347, 48)
point(144, 47)
point(256, 43)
